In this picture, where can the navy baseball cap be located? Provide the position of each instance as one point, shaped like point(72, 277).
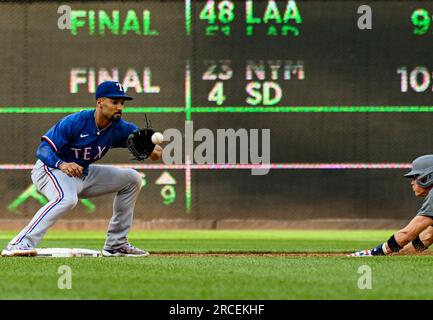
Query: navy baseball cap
point(111, 89)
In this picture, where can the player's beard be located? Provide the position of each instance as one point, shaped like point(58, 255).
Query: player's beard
point(116, 117)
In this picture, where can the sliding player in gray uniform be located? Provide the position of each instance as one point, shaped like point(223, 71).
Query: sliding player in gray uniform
point(418, 234)
point(64, 173)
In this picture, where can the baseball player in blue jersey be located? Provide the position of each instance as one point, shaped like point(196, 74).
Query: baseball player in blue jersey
point(64, 172)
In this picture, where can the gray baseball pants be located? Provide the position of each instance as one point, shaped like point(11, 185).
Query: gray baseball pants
point(63, 193)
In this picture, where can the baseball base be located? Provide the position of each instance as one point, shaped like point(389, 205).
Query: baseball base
point(67, 252)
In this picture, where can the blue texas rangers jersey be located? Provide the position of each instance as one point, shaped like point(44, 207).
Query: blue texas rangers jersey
point(77, 138)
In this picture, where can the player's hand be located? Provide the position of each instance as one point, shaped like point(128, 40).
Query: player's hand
point(71, 169)
point(156, 153)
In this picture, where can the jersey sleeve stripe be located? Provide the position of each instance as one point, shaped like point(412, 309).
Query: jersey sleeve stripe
point(50, 142)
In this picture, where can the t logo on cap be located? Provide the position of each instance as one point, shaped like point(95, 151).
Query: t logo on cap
point(111, 89)
point(120, 86)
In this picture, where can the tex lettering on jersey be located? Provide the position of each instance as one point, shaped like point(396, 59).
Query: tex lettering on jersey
point(76, 138)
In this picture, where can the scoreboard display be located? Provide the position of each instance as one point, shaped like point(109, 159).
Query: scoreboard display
point(348, 107)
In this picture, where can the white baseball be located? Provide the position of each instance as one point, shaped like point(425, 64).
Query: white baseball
point(157, 138)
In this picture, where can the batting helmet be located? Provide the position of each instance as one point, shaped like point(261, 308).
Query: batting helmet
point(422, 170)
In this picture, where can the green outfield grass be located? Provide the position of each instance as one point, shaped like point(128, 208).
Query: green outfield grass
point(219, 277)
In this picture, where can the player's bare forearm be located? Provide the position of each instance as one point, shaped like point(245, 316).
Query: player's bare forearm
point(407, 250)
point(426, 236)
point(408, 234)
point(415, 238)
